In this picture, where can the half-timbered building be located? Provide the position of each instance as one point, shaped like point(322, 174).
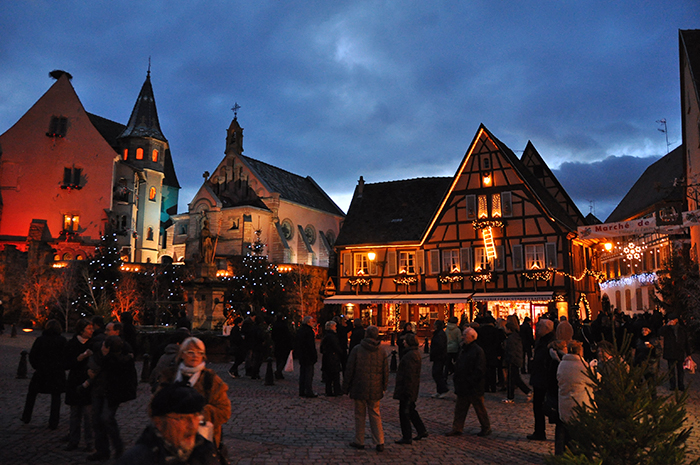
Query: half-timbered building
point(500, 235)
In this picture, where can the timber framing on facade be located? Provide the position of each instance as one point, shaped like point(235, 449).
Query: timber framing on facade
point(500, 235)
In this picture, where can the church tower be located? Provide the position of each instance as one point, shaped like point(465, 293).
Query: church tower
point(151, 181)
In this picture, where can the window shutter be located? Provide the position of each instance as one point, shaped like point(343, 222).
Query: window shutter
point(76, 176)
point(435, 261)
point(391, 262)
point(67, 176)
point(62, 126)
point(500, 262)
point(420, 261)
point(550, 254)
point(465, 258)
point(507, 204)
point(517, 257)
point(471, 207)
point(346, 259)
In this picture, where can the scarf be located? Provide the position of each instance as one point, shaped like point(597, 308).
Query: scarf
point(189, 373)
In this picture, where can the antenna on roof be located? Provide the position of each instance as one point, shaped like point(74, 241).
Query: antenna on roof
point(662, 121)
point(148, 74)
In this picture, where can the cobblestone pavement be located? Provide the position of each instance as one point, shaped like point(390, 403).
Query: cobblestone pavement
point(271, 424)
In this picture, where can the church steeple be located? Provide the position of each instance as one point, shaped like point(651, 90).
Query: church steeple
point(234, 135)
point(144, 117)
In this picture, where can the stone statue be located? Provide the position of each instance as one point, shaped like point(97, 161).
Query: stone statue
point(206, 244)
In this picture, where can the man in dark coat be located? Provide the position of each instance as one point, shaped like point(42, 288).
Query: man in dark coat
point(77, 354)
point(469, 385)
point(544, 334)
point(357, 334)
point(333, 359)
point(282, 340)
point(438, 355)
point(513, 359)
point(528, 340)
point(491, 340)
point(173, 435)
point(406, 390)
point(46, 357)
point(366, 378)
point(676, 348)
point(306, 352)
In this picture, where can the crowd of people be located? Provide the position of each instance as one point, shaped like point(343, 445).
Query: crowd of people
point(190, 402)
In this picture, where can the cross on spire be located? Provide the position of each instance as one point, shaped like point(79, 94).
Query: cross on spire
point(235, 109)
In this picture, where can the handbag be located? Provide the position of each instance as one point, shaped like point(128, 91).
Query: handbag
point(289, 366)
point(690, 364)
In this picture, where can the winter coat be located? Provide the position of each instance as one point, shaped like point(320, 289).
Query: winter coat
point(168, 359)
point(408, 375)
point(306, 345)
point(367, 371)
point(438, 346)
point(540, 361)
point(333, 355)
point(150, 450)
point(676, 343)
point(651, 352)
point(454, 338)
point(401, 342)
point(77, 372)
point(120, 381)
point(356, 336)
point(513, 353)
point(526, 336)
point(491, 340)
point(470, 370)
point(47, 358)
point(235, 340)
point(574, 385)
point(214, 390)
point(281, 337)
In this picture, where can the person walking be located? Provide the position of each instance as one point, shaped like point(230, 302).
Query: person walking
point(469, 379)
point(544, 335)
point(357, 334)
point(238, 347)
point(306, 351)
point(366, 378)
point(454, 338)
point(78, 353)
point(46, 357)
point(528, 340)
point(676, 347)
point(282, 341)
point(332, 360)
point(513, 359)
point(438, 355)
point(406, 391)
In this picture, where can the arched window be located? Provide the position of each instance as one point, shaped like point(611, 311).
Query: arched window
point(154, 155)
point(149, 236)
point(68, 256)
point(152, 194)
point(126, 154)
point(139, 154)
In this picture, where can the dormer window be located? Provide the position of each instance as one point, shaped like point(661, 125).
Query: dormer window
point(154, 156)
point(139, 154)
point(71, 178)
point(58, 126)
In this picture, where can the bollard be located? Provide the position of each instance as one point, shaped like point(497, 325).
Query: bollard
point(13, 331)
point(269, 375)
point(393, 338)
point(22, 368)
point(146, 369)
point(426, 347)
point(392, 365)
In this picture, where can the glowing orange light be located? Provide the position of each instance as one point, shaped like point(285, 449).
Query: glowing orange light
point(608, 246)
point(371, 256)
point(487, 180)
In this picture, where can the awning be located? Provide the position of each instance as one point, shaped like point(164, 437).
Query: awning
point(436, 298)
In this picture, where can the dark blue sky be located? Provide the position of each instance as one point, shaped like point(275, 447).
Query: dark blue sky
point(383, 89)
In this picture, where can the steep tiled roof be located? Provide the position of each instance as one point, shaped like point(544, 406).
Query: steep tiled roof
point(654, 186)
point(392, 212)
point(292, 187)
point(170, 178)
point(109, 129)
point(144, 117)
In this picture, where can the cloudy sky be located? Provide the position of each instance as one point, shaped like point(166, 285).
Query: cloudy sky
point(382, 89)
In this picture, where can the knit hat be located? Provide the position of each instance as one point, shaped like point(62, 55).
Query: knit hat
point(176, 398)
point(544, 326)
point(565, 331)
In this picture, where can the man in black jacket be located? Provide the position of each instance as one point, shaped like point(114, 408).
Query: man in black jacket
point(544, 334)
point(676, 349)
point(306, 351)
point(469, 378)
point(438, 355)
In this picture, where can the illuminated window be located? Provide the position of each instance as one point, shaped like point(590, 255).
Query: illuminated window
point(534, 257)
point(407, 262)
point(450, 261)
point(152, 194)
point(481, 261)
point(139, 154)
point(71, 223)
point(483, 206)
point(126, 154)
point(154, 155)
point(364, 266)
point(496, 205)
point(149, 234)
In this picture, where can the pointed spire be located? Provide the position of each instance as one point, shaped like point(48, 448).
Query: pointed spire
point(144, 117)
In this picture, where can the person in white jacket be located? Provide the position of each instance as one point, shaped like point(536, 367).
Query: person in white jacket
point(574, 386)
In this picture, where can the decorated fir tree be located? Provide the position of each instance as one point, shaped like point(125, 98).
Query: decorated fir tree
point(629, 422)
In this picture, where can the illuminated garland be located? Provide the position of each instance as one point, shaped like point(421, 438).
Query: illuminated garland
point(481, 277)
point(644, 279)
point(405, 280)
point(540, 275)
point(546, 275)
point(599, 276)
point(450, 278)
point(481, 224)
point(359, 281)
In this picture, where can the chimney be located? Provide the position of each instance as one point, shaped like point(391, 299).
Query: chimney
point(360, 188)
